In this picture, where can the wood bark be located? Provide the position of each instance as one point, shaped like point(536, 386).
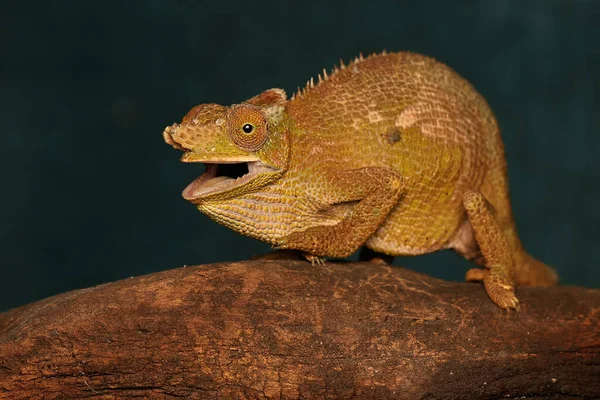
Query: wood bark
point(288, 330)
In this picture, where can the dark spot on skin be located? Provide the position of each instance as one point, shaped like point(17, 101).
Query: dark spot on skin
point(393, 135)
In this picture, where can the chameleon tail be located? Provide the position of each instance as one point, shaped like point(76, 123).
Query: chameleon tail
point(528, 271)
point(531, 272)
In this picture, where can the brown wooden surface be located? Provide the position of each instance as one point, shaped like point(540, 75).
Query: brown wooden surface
point(286, 329)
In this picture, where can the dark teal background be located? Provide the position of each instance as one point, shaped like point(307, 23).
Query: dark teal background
point(90, 193)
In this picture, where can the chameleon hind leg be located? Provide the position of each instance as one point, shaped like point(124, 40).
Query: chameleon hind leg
point(376, 191)
point(498, 277)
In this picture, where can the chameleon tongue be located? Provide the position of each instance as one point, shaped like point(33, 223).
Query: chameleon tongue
point(209, 182)
point(196, 186)
point(214, 181)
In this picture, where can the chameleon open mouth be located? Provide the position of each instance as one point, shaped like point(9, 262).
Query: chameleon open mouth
point(223, 177)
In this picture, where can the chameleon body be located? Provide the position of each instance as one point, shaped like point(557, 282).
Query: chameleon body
point(395, 152)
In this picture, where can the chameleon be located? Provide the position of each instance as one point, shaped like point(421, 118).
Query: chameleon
point(394, 152)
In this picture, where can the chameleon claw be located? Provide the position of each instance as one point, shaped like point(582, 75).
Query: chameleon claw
point(314, 259)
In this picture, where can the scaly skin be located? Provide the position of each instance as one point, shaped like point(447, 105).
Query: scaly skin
point(395, 152)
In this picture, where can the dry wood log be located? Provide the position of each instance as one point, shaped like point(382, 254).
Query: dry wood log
point(286, 329)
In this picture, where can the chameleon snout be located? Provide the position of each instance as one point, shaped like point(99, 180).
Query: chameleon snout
point(186, 138)
point(168, 137)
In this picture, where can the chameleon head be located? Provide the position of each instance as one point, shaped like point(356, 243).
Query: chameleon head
point(244, 146)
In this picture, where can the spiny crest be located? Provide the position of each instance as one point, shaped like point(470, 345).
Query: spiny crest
point(310, 84)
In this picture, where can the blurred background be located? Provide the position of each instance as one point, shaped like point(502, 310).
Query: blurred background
point(90, 192)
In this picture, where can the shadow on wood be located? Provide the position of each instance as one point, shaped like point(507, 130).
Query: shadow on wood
point(286, 329)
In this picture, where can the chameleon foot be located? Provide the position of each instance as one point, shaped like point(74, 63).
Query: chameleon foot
point(501, 293)
point(314, 259)
point(475, 275)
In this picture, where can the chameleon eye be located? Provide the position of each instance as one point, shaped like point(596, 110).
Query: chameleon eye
point(247, 127)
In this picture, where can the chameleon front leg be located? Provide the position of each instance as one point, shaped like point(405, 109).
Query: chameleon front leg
point(498, 278)
point(377, 191)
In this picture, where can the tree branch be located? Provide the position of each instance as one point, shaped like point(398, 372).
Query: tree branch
point(286, 329)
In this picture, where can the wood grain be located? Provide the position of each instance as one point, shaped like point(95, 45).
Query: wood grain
point(287, 330)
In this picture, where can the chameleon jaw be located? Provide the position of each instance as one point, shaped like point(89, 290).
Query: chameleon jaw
point(215, 181)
